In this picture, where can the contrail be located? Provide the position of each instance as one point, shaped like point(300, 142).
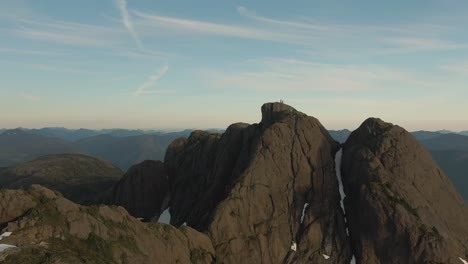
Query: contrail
point(151, 81)
point(127, 22)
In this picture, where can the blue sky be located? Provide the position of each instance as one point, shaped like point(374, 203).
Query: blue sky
point(207, 64)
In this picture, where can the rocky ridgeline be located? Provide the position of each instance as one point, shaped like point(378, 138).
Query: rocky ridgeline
point(261, 193)
point(47, 228)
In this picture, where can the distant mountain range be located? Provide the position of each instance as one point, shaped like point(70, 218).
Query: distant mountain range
point(18, 145)
point(82, 133)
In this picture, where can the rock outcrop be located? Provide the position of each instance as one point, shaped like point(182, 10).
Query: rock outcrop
point(265, 193)
point(47, 228)
point(143, 190)
point(400, 207)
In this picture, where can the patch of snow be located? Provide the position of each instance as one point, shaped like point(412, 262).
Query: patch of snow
point(184, 224)
point(6, 234)
point(464, 261)
point(338, 158)
point(165, 217)
point(303, 212)
point(3, 247)
point(140, 218)
point(294, 246)
point(325, 256)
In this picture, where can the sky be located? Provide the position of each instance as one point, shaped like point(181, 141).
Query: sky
point(209, 63)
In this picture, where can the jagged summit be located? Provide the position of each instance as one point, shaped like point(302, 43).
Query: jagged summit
point(274, 111)
point(263, 192)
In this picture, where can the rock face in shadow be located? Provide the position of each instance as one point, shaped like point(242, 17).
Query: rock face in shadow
point(143, 190)
point(265, 193)
point(48, 228)
point(400, 207)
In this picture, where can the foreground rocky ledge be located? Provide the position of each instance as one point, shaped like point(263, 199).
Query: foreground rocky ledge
point(47, 228)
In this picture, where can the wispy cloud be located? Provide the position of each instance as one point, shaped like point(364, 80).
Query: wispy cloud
point(29, 52)
point(279, 75)
point(127, 22)
point(174, 25)
point(143, 54)
point(61, 32)
point(52, 68)
point(423, 44)
point(151, 82)
point(29, 97)
point(300, 25)
point(457, 68)
point(370, 39)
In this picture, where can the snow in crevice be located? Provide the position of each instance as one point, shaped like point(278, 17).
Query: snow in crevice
point(3, 247)
point(463, 261)
point(165, 217)
point(6, 234)
point(303, 212)
point(338, 158)
point(294, 246)
point(325, 256)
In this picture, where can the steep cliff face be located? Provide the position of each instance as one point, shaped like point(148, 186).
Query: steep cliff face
point(264, 193)
point(400, 207)
point(143, 190)
point(44, 227)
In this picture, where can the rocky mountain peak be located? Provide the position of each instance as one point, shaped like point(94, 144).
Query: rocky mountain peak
point(263, 192)
point(274, 111)
point(371, 128)
point(400, 206)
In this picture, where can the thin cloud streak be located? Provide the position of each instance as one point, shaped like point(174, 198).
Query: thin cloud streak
point(163, 23)
point(152, 81)
point(279, 75)
point(74, 34)
point(127, 22)
point(459, 68)
point(396, 38)
point(30, 97)
point(61, 38)
point(29, 52)
point(422, 44)
point(249, 14)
